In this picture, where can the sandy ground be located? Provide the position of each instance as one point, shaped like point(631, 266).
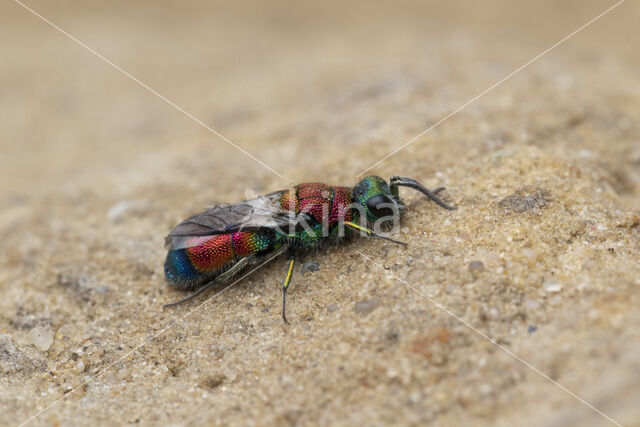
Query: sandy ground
point(541, 256)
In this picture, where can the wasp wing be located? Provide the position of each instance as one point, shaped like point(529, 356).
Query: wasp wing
point(260, 212)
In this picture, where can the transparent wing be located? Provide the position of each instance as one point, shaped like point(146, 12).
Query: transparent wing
point(260, 212)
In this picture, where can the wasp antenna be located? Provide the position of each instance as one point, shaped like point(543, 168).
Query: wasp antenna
point(412, 183)
point(192, 296)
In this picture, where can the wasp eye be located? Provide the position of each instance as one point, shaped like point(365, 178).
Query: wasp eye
point(380, 206)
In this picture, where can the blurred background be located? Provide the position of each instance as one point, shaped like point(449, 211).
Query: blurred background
point(259, 72)
point(542, 254)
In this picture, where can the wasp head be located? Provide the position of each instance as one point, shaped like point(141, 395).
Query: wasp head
point(375, 200)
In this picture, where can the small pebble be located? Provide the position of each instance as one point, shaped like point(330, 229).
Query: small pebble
point(214, 381)
point(367, 306)
point(118, 210)
point(529, 253)
point(41, 338)
point(526, 199)
point(532, 329)
point(103, 289)
point(552, 286)
point(310, 266)
point(332, 307)
point(475, 268)
point(485, 389)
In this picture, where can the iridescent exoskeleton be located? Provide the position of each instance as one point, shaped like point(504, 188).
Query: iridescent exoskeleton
point(214, 245)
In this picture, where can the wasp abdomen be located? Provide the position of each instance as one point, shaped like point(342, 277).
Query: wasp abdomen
point(186, 268)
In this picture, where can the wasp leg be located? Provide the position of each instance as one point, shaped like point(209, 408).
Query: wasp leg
point(372, 233)
point(220, 279)
point(285, 286)
point(233, 270)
